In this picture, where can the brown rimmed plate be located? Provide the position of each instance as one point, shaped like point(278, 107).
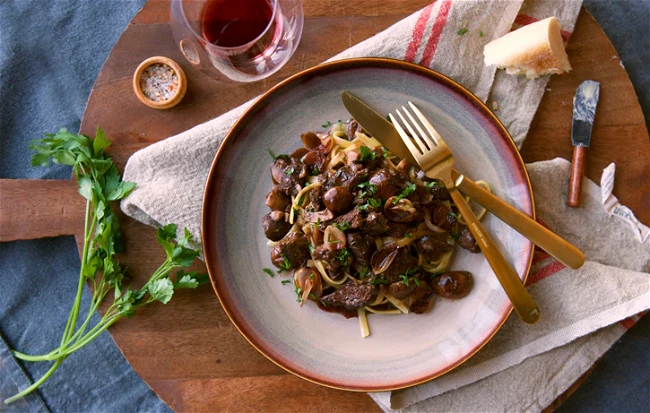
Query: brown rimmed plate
point(325, 348)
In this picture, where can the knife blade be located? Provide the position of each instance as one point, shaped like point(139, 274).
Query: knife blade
point(584, 111)
point(384, 131)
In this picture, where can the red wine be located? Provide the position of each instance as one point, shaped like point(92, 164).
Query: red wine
point(233, 23)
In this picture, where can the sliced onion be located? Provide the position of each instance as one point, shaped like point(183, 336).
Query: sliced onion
point(383, 259)
point(334, 238)
point(324, 215)
point(431, 225)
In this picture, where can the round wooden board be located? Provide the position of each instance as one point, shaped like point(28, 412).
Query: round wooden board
point(188, 351)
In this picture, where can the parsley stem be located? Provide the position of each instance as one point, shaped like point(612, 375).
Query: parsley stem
point(36, 384)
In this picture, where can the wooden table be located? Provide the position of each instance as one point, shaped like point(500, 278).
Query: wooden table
point(188, 351)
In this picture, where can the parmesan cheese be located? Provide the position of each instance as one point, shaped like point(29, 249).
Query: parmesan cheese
point(533, 50)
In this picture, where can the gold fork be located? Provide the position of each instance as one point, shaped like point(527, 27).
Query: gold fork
point(435, 159)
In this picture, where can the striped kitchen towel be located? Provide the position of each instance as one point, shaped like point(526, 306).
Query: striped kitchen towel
point(522, 368)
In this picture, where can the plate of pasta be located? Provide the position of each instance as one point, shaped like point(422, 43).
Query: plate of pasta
point(337, 260)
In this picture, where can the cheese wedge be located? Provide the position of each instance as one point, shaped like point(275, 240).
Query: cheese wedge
point(534, 50)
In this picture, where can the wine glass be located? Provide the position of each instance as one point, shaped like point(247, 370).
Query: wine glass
point(243, 40)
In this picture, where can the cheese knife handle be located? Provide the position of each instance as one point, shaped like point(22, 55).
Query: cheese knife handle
point(577, 171)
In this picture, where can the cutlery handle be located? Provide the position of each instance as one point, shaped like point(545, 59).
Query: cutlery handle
point(515, 290)
point(575, 181)
point(553, 244)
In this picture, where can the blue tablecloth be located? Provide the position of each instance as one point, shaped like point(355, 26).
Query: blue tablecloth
point(50, 55)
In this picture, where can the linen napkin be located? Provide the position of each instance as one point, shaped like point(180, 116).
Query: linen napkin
point(448, 36)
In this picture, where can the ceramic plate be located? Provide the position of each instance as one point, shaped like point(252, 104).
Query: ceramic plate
point(325, 348)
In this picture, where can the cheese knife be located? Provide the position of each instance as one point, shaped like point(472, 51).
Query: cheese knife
point(584, 111)
point(384, 131)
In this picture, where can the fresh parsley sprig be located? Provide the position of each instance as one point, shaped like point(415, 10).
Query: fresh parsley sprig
point(100, 183)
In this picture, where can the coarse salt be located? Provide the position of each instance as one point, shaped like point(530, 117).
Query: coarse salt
point(159, 82)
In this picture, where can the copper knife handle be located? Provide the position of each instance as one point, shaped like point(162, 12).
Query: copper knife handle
point(553, 244)
point(577, 171)
point(512, 285)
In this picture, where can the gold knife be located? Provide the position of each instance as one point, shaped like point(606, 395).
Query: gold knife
point(385, 132)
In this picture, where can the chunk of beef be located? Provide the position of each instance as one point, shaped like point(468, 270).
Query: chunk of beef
point(354, 217)
point(397, 230)
point(336, 260)
point(431, 248)
point(361, 246)
point(351, 296)
point(347, 175)
point(398, 259)
point(467, 241)
point(316, 198)
point(376, 224)
point(389, 183)
point(275, 226)
point(277, 200)
point(292, 178)
point(291, 252)
point(439, 192)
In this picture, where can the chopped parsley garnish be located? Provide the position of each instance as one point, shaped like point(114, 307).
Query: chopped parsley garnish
point(329, 239)
point(462, 31)
point(416, 281)
point(385, 152)
point(285, 264)
point(407, 235)
point(272, 154)
point(480, 34)
point(312, 248)
point(372, 202)
point(326, 124)
point(388, 118)
point(410, 188)
point(342, 226)
point(366, 153)
point(364, 272)
point(432, 184)
point(312, 296)
point(371, 188)
point(289, 170)
point(455, 235)
point(284, 282)
point(453, 214)
point(377, 281)
point(344, 256)
point(315, 171)
point(298, 292)
point(405, 279)
point(269, 272)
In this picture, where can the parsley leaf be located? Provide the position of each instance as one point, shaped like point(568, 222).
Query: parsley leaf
point(432, 184)
point(410, 188)
point(326, 124)
point(462, 31)
point(161, 290)
point(289, 170)
point(269, 272)
point(344, 257)
point(284, 282)
point(285, 264)
point(377, 281)
point(366, 153)
point(272, 154)
point(343, 226)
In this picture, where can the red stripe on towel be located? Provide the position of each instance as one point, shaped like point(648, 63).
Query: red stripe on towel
point(436, 31)
point(418, 32)
point(524, 20)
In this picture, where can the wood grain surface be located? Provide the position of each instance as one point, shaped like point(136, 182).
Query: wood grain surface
point(188, 351)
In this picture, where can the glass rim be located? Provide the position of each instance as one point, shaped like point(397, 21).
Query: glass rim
point(200, 38)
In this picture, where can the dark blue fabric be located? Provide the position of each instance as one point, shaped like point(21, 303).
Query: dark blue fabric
point(50, 55)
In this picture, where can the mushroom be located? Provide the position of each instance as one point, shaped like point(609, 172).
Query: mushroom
point(399, 210)
point(338, 199)
point(455, 284)
point(310, 140)
point(278, 168)
point(275, 227)
point(308, 281)
point(277, 200)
